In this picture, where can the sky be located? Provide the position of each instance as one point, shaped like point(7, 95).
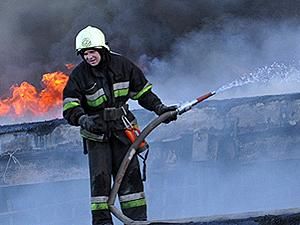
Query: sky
point(200, 45)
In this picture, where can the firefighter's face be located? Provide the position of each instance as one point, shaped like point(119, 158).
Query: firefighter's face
point(92, 57)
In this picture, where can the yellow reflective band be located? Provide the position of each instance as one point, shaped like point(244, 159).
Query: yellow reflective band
point(70, 105)
point(121, 92)
point(99, 206)
point(97, 102)
point(133, 203)
point(143, 91)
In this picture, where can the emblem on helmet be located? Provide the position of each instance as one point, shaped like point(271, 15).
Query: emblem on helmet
point(86, 42)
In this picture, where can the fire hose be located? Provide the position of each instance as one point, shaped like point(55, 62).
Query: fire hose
point(133, 149)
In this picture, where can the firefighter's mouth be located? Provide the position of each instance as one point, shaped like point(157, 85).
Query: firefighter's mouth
point(93, 61)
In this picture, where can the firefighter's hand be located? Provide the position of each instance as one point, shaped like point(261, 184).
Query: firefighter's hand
point(87, 122)
point(161, 109)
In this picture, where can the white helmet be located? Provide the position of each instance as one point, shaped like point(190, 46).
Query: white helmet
point(90, 37)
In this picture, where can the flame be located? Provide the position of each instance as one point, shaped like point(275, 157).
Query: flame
point(26, 100)
point(51, 96)
point(4, 107)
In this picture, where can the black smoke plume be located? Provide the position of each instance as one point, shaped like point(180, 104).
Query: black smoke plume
point(208, 41)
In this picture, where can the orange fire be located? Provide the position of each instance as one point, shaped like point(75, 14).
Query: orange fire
point(26, 100)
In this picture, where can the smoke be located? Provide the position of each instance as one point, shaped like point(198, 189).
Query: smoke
point(29, 30)
point(216, 189)
point(209, 58)
point(208, 42)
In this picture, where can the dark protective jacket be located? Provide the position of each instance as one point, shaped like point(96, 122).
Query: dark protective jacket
point(116, 79)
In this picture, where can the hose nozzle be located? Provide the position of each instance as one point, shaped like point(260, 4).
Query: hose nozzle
point(187, 106)
point(203, 97)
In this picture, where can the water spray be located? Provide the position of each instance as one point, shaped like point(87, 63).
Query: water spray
point(277, 72)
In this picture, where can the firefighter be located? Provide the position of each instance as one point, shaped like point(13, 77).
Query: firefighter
point(95, 99)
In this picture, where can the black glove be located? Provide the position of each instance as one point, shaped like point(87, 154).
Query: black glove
point(87, 122)
point(161, 109)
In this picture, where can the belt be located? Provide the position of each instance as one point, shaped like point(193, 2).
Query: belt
point(113, 113)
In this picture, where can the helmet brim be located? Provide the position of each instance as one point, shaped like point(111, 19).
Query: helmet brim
point(82, 50)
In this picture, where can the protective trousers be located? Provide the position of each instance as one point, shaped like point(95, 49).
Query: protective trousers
point(105, 159)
